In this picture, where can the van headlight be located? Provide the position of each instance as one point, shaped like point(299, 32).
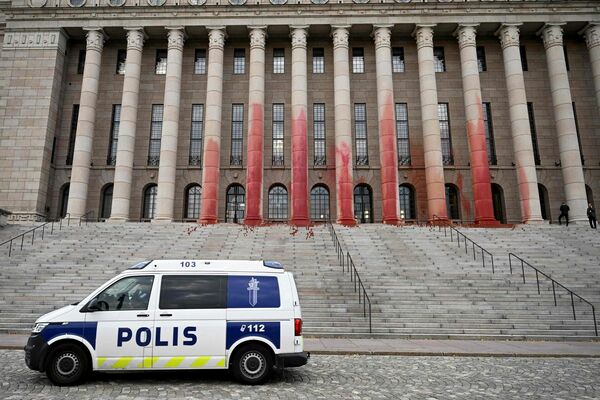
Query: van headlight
point(37, 328)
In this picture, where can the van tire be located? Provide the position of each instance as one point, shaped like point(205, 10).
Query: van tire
point(252, 364)
point(67, 365)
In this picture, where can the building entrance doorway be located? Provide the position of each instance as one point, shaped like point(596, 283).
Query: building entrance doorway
point(363, 204)
point(236, 204)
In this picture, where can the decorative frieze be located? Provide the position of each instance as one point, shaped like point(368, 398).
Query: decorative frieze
point(592, 35)
point(175, 38)
point(467, 36)
point(258, 37)
point(552, 35)
point(94, 39)
point(382, 36)
point(135, 39)
point(56, 39)
point(340, 36)
point(424, 35)
point(216, 37)
point(509, 35)
point(299, 34)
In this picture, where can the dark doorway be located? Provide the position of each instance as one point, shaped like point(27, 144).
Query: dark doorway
point(106, 206)
point(498, 203)
point(363, 203)
point(544, 202)
point(64, 200)
point(452, 201)
point(236, 204)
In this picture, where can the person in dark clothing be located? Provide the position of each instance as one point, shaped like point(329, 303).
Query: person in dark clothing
point(591, 213)
point(564, 212)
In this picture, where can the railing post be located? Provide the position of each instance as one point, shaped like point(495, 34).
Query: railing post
point(510, 262)
point(371, 329)
point(10, 248)
point(483, 260)
point(554, 293)
point(573, 306)
point(474, 258)
point(595, 324)
point(22, 239)
point(492, 257)
point(537, 280)
point(466, 250)
point(523, 270)
point(52, 227)
point(32, 236)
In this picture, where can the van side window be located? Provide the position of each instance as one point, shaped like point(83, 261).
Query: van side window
point(132, 293)
point(193, 292)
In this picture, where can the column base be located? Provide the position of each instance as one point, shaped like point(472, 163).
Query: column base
point(347, 221)
point(536, 221)
point(116, 220)
point(487, 222)
point(439, 221)
point(303, 222)
point(161, 220)
point(208, 221)
point(393, 221)
point(253, 221)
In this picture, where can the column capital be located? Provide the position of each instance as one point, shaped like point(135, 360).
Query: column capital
point(340, 35)
point(423, 33)
point(382, 35)
point(466, 35)
point(299, 35)
point(95, 38)
point(216, 37)
point(591, 34)
point(175, 37)
point(136, 38)
point(509, 35)
point(552, 35)
point(258, 37)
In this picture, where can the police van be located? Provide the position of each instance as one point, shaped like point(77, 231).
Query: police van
point(176, 314)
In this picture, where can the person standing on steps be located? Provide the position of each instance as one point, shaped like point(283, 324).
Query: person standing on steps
point(564, 212)
point(591, 213)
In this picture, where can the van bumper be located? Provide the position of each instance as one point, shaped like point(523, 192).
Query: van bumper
point(35, 352)
point(290, 360)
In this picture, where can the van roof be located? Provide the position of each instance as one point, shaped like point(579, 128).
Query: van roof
point(187, 265)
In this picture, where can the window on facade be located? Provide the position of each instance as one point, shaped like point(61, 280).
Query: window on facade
point(237, 134)
point(64, 200)
point(439, 61)
point(53, 155)
point(481, 62)
point(444, 118)
point(278, 116)
point(235, 205)
point(403, 142)
point(121, 61)
point(106, 206)
point(149, 202)
point(578, 135)
point(160, 66)
point(179, 292)
point(81, 62)
point(155, 135)
point(192, 202)
point(278, 61)
point(319, 133)
point(239, 61)
point(360, 134)
point(452, 202)
point(72, 133)
point(489, 133)
point(278, 202)
point(196, 134)
point(363, 203)
point(131, 293)
point(397, 59)
point(566, 57)
point(407, 202)
point(200, 62)
point(318, 60)
point(319, 203)
point(111, 158)
point(534, 141)
point(358, 60)
point(523, 52)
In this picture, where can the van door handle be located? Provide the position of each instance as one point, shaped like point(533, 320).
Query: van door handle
point(166, 315)
point(143, 315)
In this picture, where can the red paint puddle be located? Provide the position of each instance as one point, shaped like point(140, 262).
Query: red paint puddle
point(254, 171)
point(389, 164)
point(210, 182)
point(299, 184)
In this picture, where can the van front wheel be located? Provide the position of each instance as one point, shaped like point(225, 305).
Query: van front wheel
point(252, 364)
point(67, 365)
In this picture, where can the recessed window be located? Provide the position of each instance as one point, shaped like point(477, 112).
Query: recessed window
point(197, 2)
point(566, 57)
point(121, 60)
point(319, 203)
point(407, 202)
point(319, 1)
point(192, 202)
point(237, 2)
point(200, 62)
point(534, 142)
point(149, 201)
point(156, 3)
point(76, 3)
point(360, 134)
point(278, 61)
point(278, 2)
point(237, 134)
point(439, 61)
point(239, 61)
point(116, 3)
point(161, 62)
point(444, 118)
point(402, 134)
point(523, 52)
point(155, 135)
point(278, 203)
point(481, 62)
point(398, 59)
point(111, 158)
point(319, 134)
point(72, 134)
point(318, 60)
point(489, 133)
point(358, 60)
point(81, 62)
point(578, 135)
point(196, 135)
point(278, 120)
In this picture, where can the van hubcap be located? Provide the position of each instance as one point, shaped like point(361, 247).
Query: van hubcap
point(253, 364)
point(67, 364)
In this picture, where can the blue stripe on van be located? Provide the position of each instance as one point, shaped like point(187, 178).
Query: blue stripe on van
point(85, 330)
point(267, 330)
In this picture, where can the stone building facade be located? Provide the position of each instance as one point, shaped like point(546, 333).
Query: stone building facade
point(217, 110)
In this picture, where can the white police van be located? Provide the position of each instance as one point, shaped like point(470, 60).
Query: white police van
point(176, 314)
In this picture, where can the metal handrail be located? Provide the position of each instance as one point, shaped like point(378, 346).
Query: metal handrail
point(554, 284)
point(447, 225)
point(346, 262)
point(32, 231)
point(85, 218)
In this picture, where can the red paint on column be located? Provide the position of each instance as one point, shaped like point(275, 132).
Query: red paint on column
point(480, 170)
point(466, 206)
point(210, 182)
point(254, 172)
point(389, 164)
point(299, 186)
point(344, 185)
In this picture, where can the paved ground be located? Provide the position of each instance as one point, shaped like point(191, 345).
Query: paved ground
point(335, 377)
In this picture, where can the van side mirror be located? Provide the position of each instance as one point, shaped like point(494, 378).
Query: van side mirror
point(92, 306)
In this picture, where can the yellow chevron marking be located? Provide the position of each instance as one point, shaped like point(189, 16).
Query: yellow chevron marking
point(148, 362)
point(122, 362)
point(174, 362)
point(200, 362)
point(100, 361)
point(221, 363)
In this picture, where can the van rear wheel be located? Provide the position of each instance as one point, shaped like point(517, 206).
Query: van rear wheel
point(67, 365)
point(252, 364)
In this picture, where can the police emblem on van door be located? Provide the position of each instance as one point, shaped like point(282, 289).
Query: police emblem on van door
point(253, 291)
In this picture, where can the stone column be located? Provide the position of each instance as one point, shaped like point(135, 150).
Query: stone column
point(592, 39)
point(519, 122)
point(387, 133)
point(432, 143)
point(343, 127)
point(480, 169)
point(165, 195)
point(568, 144)
point(299, 187)
point(212, 127)
point(127, 129)
point(256, 127)
point(82, 155)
